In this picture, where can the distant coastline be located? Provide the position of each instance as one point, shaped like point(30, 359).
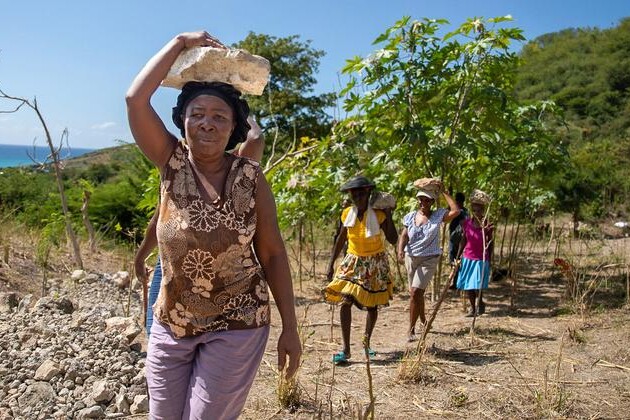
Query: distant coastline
point(12, 155)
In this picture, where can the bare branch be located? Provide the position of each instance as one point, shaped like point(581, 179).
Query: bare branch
point(57, 165)
point(288, 153)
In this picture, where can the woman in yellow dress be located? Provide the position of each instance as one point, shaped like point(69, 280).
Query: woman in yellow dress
point(362, 278)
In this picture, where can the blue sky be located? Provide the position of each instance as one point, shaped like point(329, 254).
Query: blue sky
point(79, 57)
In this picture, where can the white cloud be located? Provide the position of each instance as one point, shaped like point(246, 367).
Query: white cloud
point(104, 126)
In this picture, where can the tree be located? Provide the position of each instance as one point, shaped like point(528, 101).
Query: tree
point(56, 163)
point(288, 104)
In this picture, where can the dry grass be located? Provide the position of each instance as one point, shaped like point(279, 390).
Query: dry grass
point(544, 358)
point(536, 361)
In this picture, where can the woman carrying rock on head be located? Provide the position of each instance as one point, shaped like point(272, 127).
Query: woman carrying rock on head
point(211, 320)
point(362, 278)
point(419, 245)
point(475, 251)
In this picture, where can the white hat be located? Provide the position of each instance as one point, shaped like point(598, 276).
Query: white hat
point(425, 193)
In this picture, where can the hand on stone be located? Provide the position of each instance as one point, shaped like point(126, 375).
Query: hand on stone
point(200, 39)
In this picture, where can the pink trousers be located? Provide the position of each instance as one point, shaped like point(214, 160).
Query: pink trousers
point(202, 377)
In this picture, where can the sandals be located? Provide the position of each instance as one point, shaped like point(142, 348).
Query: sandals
point(482, 308)
point(340, 358)
point(370, 353)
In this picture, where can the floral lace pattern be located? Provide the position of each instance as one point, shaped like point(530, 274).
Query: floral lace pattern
point(212, 280)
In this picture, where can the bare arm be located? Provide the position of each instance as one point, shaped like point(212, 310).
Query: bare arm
point(341, 238)
point(490, 244)
point(142, 272)
point(403, 240)
point(453, 209)
point(272, 255)
point(146, 246)
point(391, 234)
point(148, 130)
point(254, 146)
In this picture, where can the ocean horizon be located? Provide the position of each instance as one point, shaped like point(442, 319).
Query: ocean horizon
point(12, 155)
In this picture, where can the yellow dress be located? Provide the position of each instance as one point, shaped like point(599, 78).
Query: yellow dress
point(363, 275)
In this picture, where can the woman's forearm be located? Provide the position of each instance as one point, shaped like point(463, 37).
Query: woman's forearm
point(278, 276)
point(454, 209)
point(155, 70)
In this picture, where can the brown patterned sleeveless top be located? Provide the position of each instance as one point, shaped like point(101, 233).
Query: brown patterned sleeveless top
point(211, 278)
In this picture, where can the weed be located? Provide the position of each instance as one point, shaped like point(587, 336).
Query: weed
point(457, 397)
point(288, 390)
point(577, 335)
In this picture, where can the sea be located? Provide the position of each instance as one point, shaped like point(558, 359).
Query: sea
point(15, 155)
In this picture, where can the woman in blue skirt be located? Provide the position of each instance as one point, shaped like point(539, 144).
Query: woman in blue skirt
point(475, 250)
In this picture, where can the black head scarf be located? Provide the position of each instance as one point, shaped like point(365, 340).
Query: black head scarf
point(224, 91)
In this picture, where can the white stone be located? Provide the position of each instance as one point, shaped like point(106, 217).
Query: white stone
point(121, 403)
point(78, 275)
point(101, 392)
point(382, 200)
point(121, 279)
point(246, 72)
point(46, 371)
point(126, 326)
point(140, 404)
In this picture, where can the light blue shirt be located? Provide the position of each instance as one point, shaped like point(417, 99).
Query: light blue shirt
point(424, 240)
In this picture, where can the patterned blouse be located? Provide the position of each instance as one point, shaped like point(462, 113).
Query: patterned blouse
point(424, 239)
point(212, 280)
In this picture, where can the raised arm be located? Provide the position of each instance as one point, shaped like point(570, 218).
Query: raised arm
point(272, 255)
point(254, 146)
point(148, 130)
point(453, 208)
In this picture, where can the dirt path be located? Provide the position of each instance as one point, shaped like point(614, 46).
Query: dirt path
point(531, 363)
point(535, 362)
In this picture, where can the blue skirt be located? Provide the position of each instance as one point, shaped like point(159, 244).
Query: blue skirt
point(470, 274)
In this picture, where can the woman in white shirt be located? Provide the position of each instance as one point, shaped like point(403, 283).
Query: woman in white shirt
point(419, 248)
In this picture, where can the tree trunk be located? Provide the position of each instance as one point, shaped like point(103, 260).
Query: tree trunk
point(300, 241)
point(313, 251)
point(54, 153)
point(86, 220)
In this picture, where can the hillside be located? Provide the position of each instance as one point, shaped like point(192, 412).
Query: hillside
point(586, 71)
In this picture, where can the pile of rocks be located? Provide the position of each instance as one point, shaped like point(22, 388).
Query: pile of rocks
point(72, 354)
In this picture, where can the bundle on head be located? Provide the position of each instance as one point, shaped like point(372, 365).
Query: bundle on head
point(480, 197)
point(381, 200)
point(432, 186)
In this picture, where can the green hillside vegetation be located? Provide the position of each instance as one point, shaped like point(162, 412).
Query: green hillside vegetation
point(587, 73)
point(545, 129)
point(115, 177)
